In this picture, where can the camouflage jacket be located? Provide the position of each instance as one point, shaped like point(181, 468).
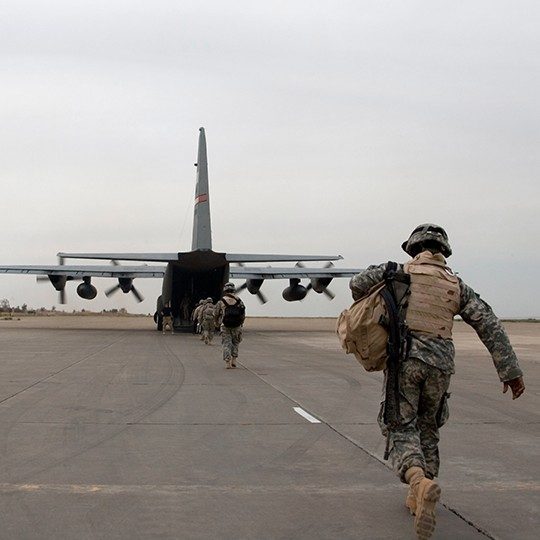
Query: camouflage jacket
point(440, 352)
point(207, 312)
point(196, 316)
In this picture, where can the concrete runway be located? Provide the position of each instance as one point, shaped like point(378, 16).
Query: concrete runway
point(119, 432)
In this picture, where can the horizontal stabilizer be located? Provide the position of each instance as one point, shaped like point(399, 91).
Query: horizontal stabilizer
point(150, 257)
point(247, 258)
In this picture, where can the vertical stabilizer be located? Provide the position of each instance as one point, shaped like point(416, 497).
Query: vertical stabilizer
point(202, 234)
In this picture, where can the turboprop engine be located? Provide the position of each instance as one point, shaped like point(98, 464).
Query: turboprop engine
point(58, 282)
point(125, 285)
point(294, 291)
point(86, 290)
point(320, 285)
point(254, 287)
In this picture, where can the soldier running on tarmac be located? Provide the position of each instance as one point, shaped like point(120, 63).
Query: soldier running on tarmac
point(230, 313)
point(207, 318)
point(435, 295)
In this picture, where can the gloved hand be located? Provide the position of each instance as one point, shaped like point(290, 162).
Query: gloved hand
point(517, 386)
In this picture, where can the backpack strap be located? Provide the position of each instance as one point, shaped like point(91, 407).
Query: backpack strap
point(394, 295)
point(391, 409)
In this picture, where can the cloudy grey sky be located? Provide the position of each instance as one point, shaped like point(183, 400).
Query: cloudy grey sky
point(332, 127)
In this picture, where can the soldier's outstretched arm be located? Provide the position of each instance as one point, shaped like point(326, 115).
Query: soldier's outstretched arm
point(490, 330)
point(362, 282)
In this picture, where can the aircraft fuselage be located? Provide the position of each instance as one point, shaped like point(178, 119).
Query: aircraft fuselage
point(197, 275)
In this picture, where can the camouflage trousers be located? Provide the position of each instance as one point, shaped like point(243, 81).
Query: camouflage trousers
point(230, 339)
point(208, 326)
point(424, 409)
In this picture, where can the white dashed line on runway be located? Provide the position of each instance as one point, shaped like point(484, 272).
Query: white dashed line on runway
point(306, 415)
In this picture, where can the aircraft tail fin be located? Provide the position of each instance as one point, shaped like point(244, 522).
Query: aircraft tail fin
point(202, 233)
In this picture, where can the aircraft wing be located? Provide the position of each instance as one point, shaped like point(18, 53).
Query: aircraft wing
point(171, 257)
point(78, 271)
point(245, 272)
point(248, 258)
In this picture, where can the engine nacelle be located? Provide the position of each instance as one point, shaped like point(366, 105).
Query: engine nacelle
point(86, 290)
point(58, 282)
point(294, 292)
point(126, 284)
point(319, 284)
point(254, 285)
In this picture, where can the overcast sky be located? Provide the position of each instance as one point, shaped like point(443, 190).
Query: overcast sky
point(332, 127)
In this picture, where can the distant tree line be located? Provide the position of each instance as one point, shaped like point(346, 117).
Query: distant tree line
point(5, 307)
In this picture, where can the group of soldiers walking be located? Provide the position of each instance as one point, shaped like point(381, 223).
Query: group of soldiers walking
point(227, 317)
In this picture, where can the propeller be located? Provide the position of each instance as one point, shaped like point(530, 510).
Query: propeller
point(262, 298)
point(254, 287)
point(329, 294)
point(323, 286)
point(125, 285)
point(62, 292)
point(139, 297)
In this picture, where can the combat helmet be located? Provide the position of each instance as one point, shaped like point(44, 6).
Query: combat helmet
point(229, 287)
point(209, 300)
point(426, 236)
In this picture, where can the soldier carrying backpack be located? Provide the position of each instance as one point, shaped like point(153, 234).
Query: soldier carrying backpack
point(401, 322)
point(206, 317)
point(230, 313)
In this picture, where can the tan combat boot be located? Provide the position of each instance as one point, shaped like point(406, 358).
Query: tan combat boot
point(428, 493)
point(413, 477)
point(410, 501)
point(229, 363)
point(233, 361)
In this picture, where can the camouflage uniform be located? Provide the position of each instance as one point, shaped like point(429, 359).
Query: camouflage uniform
point(230, 337)
point(167, 318)
point(425, 376)
point(197, 317)
point(207, 322)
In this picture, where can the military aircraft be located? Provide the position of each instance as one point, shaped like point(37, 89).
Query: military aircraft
point(193, 275)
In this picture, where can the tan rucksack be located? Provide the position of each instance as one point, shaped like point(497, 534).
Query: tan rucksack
point(360, 330)
point(378, 318)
